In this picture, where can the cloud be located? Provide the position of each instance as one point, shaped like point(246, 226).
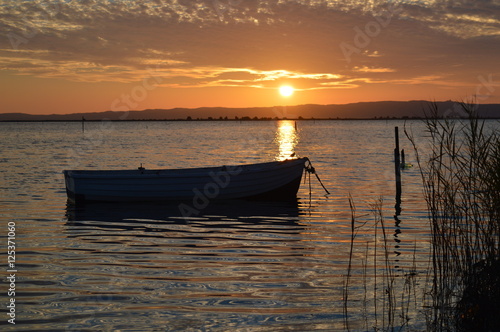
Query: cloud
point(250, 43)
point(238, 77)
point(461, 19)
point(365, 69)
point(173, 73)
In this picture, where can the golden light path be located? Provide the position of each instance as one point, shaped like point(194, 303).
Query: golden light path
point(286, 138)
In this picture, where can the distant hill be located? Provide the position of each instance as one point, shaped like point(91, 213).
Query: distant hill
point(364, 110)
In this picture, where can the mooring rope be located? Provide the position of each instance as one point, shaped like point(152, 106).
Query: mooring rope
point(311, 170)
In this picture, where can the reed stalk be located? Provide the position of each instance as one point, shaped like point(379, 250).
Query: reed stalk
point(382, 315)
point(461, 178)
point(460, 171)
point(349, 266)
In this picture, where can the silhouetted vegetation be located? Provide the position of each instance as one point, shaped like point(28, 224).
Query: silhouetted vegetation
point(383, 110)
point(460, 171)
point(461, 180)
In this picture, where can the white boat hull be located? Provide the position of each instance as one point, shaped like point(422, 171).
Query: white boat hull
point(279, 180)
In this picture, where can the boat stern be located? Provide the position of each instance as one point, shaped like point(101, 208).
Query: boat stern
point(71, 187)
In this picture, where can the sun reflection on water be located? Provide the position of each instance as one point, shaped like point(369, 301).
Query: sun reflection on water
point(286, 138)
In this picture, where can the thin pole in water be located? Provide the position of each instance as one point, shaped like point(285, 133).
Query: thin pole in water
point(83, 124)
point(396, 150)
point(397, 166)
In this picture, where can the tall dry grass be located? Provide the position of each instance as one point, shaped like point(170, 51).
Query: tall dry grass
point(461, 178)
point(460, 170)
point(389, 292)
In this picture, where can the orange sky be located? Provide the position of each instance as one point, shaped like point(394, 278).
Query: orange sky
point(92, 56)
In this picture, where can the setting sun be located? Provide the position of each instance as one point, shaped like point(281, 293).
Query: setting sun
point(286, 90)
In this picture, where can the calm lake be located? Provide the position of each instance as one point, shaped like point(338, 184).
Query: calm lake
point(251, 266)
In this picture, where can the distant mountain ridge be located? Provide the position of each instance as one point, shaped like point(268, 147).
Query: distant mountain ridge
point(362, 110)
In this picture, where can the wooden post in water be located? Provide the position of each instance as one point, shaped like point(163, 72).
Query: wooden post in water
point(397, 206)
point(396, 150)
point(397, 162)
point(83, 124)
point(397, 170)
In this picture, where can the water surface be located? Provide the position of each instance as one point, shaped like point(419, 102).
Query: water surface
point(247, 266)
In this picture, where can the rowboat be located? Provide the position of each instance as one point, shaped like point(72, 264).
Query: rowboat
point(276, 180)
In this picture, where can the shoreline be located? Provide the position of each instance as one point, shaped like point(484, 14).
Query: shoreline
point(247, 119)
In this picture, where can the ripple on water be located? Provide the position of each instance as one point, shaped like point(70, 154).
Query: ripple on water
point(239, 267)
